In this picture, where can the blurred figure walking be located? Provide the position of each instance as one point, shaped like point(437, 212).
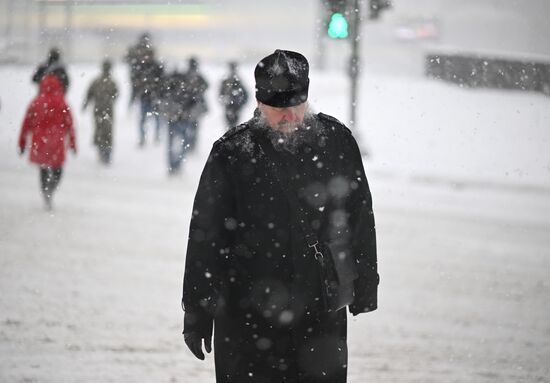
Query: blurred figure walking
point(196, 87)
point(176, 108)
point(102, 93)
point(53, 65)
point(233, 96)
point(136, 57)
point(148, 90)
point(146, 75)
point(48, 119)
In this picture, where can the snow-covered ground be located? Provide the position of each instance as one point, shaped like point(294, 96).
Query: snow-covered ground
point(461, 187)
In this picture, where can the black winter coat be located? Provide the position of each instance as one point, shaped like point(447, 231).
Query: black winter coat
point(248, 268)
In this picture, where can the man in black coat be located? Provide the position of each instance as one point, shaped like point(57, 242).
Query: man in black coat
point(250, 276)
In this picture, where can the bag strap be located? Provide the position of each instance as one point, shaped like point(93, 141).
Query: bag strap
point(286, 183)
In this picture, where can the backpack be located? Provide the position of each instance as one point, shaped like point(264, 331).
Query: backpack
point(233, 93)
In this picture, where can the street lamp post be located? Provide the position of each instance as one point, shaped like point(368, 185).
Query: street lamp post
point(354, 62)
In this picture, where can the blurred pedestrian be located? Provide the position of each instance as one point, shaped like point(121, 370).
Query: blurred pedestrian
point(281, 241)
point(135, 57)
point(196, 88)
point(49, 121)
point(146, 74)
point(233, 96)
point(148, 90)
point(53, 65)
point(102, 93)
point(176, 106)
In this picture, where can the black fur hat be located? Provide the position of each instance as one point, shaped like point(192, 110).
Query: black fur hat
point(282, 79)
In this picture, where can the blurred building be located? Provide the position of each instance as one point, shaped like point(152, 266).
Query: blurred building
point(400, 40)
point(218, 30)
point(88, 29)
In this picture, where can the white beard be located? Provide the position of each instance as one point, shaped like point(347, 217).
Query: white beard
point(291, 135)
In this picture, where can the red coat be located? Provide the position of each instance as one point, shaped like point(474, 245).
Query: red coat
point(49, 120)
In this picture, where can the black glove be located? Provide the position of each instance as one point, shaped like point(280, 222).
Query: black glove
point(194, 342)
point(198, 327)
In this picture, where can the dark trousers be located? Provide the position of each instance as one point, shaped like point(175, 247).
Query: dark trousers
point(313, 350)
point(103, 136)
point(104, 154)
point(178, 143)
point(49, 180)
point(148, 109)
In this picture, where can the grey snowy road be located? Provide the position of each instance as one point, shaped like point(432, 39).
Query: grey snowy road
point(91, 292)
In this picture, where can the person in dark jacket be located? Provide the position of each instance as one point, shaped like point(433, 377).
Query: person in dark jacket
point(251, 277)
point(176, 106)
point(233, 96)
point(103, 93)
point(146, 77)
point(136, 57)
point(48, 119)
point(53, 65)
point(196, 88)
point(148, 90)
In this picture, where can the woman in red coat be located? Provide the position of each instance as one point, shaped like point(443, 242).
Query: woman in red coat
point(49, 120)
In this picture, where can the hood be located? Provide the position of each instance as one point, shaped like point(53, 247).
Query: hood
point(50, 84)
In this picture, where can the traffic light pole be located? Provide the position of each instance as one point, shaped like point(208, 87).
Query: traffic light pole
point(354, 69)
point(354, 61)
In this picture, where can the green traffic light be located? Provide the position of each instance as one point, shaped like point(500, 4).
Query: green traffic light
point(338, 26)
